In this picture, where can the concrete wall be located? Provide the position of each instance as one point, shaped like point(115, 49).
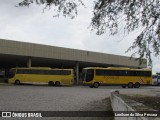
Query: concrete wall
point(46, 51)
point(121, 104)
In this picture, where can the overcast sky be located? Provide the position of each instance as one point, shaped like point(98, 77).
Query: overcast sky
point(32, 25)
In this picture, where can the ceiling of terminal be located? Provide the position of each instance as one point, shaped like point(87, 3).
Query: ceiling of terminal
point(9, 61)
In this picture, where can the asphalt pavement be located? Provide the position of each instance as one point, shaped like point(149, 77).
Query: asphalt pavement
point(74, 98)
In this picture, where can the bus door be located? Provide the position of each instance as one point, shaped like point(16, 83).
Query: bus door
point(89, 75)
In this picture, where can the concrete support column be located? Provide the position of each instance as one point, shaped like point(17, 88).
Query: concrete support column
point(77, 73)
point(29, 62)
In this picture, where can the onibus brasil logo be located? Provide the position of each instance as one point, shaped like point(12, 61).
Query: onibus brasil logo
point(21, 114)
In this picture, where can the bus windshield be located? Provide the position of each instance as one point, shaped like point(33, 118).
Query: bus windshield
point(87, 75)
point(12, 73)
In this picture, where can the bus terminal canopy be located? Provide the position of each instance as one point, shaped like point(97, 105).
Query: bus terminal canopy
point(23, 54)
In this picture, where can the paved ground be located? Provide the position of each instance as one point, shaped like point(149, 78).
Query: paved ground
point(75, 98)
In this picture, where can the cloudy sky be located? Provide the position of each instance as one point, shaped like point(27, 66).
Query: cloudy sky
point(33, 25)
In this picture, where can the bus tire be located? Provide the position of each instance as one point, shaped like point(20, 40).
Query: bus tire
point(51, 83)
point(57, 83)
point(17, 82)
point(130, 85)
point(123, 86)
point(91, 86)
point(137, 85)
point(96, 85)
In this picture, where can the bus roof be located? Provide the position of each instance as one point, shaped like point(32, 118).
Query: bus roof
point(117, 68)
point(32, 68)
point(44, 68)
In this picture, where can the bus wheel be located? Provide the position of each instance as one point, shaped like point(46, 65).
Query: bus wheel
point(123, 86)
point(96, 85)
point(91, 86)
point(50, 83)
point(17, 82)
point(130, 85)
point(137, 85)
point(57, 83)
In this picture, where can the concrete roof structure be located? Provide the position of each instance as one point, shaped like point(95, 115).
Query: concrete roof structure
point(15, 53)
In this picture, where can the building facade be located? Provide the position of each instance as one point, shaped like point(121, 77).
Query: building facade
point(23, 54)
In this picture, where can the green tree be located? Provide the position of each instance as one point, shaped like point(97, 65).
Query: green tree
point(107, 14)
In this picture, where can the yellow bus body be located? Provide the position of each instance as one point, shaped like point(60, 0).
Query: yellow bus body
point(119, 80)
point(42, 78)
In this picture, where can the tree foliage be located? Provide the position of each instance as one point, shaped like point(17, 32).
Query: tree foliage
point(135, 13)
point(68, 8)
point(107, 14)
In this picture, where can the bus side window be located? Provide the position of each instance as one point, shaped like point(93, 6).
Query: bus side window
point(65, 72)
point(101, 72)
point(121, 73)
point(148, 73)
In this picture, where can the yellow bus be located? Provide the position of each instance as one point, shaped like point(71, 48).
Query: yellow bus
point(41, 75)
point(95, 76)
